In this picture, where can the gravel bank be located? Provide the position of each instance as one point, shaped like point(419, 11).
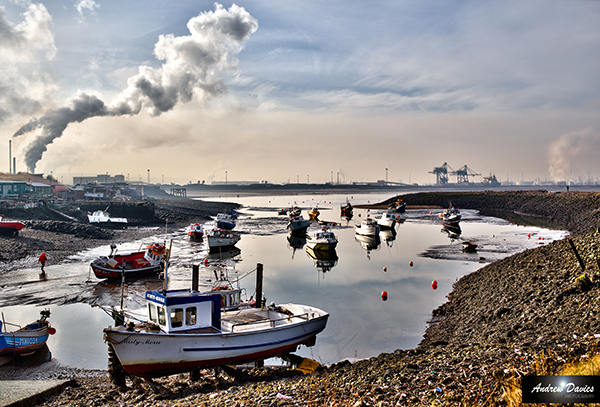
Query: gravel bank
point(504, 320)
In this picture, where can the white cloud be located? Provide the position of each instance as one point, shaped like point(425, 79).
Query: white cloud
point(86, 7)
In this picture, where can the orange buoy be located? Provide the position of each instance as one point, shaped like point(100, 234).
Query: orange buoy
point(51, 330)
point(434, 284)
point(384, 295)
point(410, 263)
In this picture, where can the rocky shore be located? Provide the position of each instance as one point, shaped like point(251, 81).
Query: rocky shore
point(528, 313)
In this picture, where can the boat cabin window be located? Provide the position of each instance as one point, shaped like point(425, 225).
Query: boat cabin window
point(152, 312)
point(190, 316)
point(162, 320)
point(176, 317)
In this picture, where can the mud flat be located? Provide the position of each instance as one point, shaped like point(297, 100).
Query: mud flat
point(501, 321)
point(45, 231)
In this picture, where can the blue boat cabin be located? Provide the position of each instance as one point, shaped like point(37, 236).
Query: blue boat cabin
point(184, 310)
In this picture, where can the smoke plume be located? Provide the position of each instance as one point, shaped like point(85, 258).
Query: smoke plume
point(571, 148)
point(193, 69)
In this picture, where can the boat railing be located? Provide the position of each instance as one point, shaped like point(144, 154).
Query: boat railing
point(271, 321)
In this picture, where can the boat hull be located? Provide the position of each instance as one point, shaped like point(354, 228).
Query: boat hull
point(147, 354)
point(23, 342)
point(10, 228)
point(106, 272)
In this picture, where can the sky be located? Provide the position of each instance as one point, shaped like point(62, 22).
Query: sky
point(182, 91)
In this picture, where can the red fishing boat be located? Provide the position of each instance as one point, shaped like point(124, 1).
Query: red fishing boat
point(8, 227)
point(151, 260)
point(195, 231)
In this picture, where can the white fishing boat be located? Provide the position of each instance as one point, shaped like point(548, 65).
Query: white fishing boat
point(451, 215)
point(187, 330)
point(221, 238)
point(367, 227)
point(323, 239)
point(388, 219)
point(103, 218)
point(297, 224)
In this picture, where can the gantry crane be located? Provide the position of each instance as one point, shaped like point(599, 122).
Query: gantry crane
point(441, 174)
point(463, 173)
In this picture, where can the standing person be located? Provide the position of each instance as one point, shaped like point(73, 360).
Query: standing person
point(42, 260)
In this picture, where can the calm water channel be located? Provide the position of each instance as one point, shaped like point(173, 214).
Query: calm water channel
point(349, 286)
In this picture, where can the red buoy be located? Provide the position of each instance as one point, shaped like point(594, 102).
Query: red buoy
point(434, 284)
point(410, 263)
point(431, 212)
point(384, 295)
point(51, 330)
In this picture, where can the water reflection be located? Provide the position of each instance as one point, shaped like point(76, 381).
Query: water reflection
point(388, 236)
point(368, 242)
point(452, 230)
point(324, 260)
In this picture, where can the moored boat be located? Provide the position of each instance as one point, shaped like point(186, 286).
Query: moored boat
point(103, 219)
point(451, 215)
point(187, 330)
point(294, 211)
point(323, 239)
point(195, 231)
point(397, 206)
point(346, 209)
point(469, 247)
point(367, 227)
point(388, 219)
point(148, 261)
point(10, 227)
point(25, 340)
point(298, 224)
point(224, 221)
point(221, 239)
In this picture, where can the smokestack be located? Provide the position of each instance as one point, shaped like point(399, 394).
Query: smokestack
point(9, 157)
point(14, 165)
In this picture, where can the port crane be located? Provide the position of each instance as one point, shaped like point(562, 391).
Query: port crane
point(462, 174)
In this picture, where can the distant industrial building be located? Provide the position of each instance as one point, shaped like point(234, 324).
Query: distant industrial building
point(99, 179)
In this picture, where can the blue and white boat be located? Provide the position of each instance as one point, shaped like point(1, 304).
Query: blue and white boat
point(451, 215)
point(224, 221)
point(24, 341)
point(187, 330)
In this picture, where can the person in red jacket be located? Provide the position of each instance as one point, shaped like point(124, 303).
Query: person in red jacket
point(42, 260)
